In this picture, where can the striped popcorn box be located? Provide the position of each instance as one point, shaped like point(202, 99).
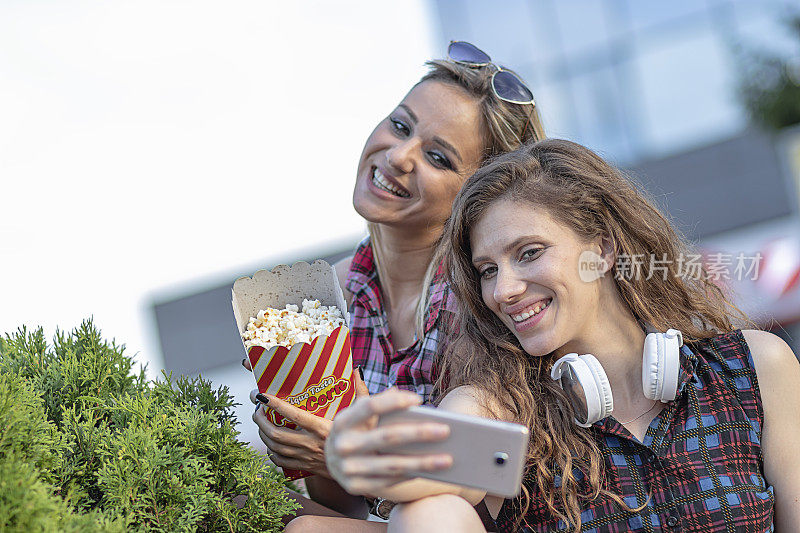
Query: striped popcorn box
point(315, 376)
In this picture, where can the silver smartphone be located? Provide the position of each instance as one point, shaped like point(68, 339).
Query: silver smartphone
point(487, 454)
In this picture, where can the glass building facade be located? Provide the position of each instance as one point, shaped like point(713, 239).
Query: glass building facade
point(631, 79)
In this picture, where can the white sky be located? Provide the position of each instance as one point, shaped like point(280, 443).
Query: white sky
point(155, 147)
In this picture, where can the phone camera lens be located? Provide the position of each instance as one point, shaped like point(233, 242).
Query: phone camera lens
point(500, 458)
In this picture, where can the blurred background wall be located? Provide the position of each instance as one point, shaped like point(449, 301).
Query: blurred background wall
point(698, 100)
point(151, 153)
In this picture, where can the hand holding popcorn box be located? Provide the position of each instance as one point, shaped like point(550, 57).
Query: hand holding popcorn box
point(293, 323)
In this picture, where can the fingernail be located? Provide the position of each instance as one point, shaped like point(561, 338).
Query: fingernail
point(244, 361)
point(439, 431)
point(261, 398)
point(360, 372)
point(441, 462)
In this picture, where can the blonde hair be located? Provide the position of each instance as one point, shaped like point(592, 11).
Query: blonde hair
point(580, 190)
point(504, 127)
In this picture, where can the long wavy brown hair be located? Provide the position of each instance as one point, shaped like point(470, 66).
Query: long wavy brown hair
point(580, 190)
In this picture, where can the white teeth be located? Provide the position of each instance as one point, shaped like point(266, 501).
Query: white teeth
point(529, 313)
point(382, 183)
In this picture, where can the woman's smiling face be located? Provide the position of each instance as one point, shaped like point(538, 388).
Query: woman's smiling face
point(415, 161)
point(528, 267)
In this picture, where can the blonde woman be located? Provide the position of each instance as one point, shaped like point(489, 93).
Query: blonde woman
point(648, 409)
point(463, 111)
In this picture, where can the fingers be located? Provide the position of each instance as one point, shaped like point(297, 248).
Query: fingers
point(365, 408)
point(395, 466)
point(278, 448)
point(289, 464)
point(268, 428)
point(292, 450)
point(253, 396)
point(302, 418)
point(296, 449)
point(284, 462)
point(368, 486)
point(246, 364)
point(286, 437)
point(384, 438)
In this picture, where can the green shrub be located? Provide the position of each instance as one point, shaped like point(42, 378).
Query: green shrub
point(88, 444)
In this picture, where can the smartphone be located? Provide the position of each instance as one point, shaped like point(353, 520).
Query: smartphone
point(487, 454)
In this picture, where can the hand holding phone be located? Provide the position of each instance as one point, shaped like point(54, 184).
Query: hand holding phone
point(487, 454)
point(378, 442)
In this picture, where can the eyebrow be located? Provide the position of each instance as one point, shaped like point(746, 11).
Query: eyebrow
point(511, 246)
point(410, 113)
point(438, 140)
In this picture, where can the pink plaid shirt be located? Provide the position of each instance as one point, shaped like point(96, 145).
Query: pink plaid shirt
point(411, 368)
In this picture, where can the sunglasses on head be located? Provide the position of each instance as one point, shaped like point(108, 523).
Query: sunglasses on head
point(506, 85)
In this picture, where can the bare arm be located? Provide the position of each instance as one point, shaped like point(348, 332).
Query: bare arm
point(778, 375)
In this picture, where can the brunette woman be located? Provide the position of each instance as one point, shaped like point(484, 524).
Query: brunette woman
point(677, 420)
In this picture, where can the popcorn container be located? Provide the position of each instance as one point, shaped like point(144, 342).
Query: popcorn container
point(316, 376)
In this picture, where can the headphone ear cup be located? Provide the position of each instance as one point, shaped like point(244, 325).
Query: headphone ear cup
point(587, 387)
point(651, 366)
point(673, 339)
point(661, 365)
point(604, 396)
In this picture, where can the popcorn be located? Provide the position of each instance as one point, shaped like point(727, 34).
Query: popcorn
point(289, 326)
point(319, 378)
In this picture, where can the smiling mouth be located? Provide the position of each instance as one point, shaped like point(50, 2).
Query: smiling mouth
point(531, 311)
point(380, 181)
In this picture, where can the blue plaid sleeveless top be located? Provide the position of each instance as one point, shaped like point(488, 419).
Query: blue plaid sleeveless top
point(699, 468)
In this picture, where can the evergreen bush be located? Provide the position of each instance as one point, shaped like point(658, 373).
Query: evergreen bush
point(88, 444)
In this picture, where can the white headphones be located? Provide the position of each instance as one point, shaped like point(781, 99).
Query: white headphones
point(583, 379)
